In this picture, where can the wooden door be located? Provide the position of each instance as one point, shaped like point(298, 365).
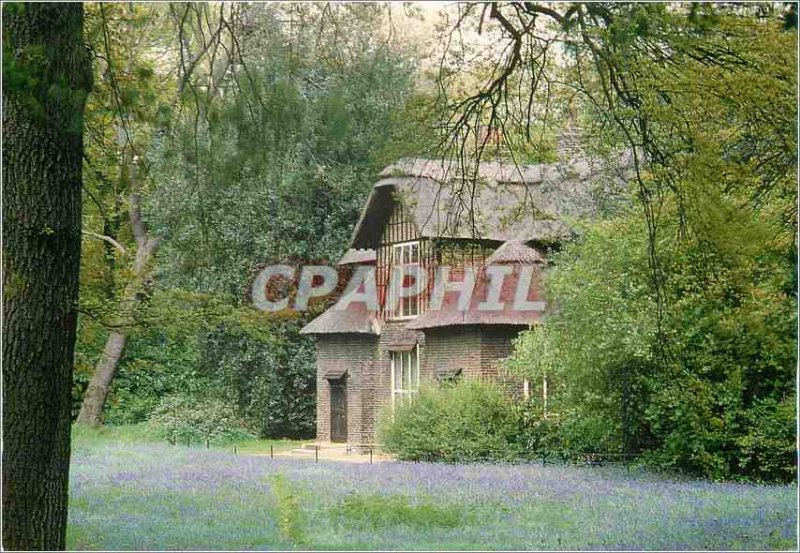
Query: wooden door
point(338, 412)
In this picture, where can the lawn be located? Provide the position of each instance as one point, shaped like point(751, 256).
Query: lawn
point(129, 494)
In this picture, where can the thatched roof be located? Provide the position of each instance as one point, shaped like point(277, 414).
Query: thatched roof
point(354, 319)
point(450, 315)
point(515, 251)
point(524, 203)
point(354, 257)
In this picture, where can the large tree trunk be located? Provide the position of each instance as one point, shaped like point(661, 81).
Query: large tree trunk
point(46, 77)
point(94, 400)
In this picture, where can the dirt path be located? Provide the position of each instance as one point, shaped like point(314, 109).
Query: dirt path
point(329, 454)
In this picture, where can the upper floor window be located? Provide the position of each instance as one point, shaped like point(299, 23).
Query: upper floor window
point(405, 254)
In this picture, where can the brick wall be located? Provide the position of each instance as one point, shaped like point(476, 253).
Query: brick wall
point(356, 354)
point(496, 344)
point(451, 349)
point(475, 350)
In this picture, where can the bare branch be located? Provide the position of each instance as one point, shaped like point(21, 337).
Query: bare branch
point(108, 239)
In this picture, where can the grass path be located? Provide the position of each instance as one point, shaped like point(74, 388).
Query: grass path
point(133, 495)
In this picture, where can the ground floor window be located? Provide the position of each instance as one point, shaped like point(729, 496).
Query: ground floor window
point(405, 375)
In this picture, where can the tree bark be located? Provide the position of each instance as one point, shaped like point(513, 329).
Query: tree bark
point(46, 77)
point(94, 399)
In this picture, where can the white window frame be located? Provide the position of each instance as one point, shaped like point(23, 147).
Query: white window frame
point(395, 302)
point(408, 366)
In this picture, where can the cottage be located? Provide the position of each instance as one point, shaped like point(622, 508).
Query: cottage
point(496, 229)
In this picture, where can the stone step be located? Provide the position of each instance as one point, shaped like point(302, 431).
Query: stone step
point(324, 446)
point(329, 455)
point(302, 451)
point(310, 450)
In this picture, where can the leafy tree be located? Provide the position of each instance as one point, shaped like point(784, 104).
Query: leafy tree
point(280, 169)
point(644, 73)
point(598, 346)
point(718, 405)
point(676, 317)
point(135, 48)
point(276, 168)
point(124, 101)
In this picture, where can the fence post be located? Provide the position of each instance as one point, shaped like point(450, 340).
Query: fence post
point(316, 453)
point(235, 450)
point(271, 452)
point(207, 446)
point(188, 441)
point(370, 455)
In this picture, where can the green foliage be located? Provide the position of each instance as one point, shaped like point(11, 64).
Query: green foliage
point(270, 375)
point(675, 327)
point(155, 365)
point(768, 451)
point(573, 435)
point(185, 419)
point(274, 166)
point(707, 400)
point(381, 511)
point(199, 346)
point(465, 421)
point(594, 351)
point(85, 436)
point(280, 168)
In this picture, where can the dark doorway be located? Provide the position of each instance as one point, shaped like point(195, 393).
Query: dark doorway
point(338, 411)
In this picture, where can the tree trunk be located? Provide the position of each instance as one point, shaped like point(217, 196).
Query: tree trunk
point(94, 400)
point(46, 76)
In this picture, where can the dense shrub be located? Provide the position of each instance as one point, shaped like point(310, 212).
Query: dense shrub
point(707, 394)
point(156, 365)
point(465, 421)
point(754, 444)
point(263, 368)
point(185, 418)
point(268, 372)
point(767, 452)
point(570, 436)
